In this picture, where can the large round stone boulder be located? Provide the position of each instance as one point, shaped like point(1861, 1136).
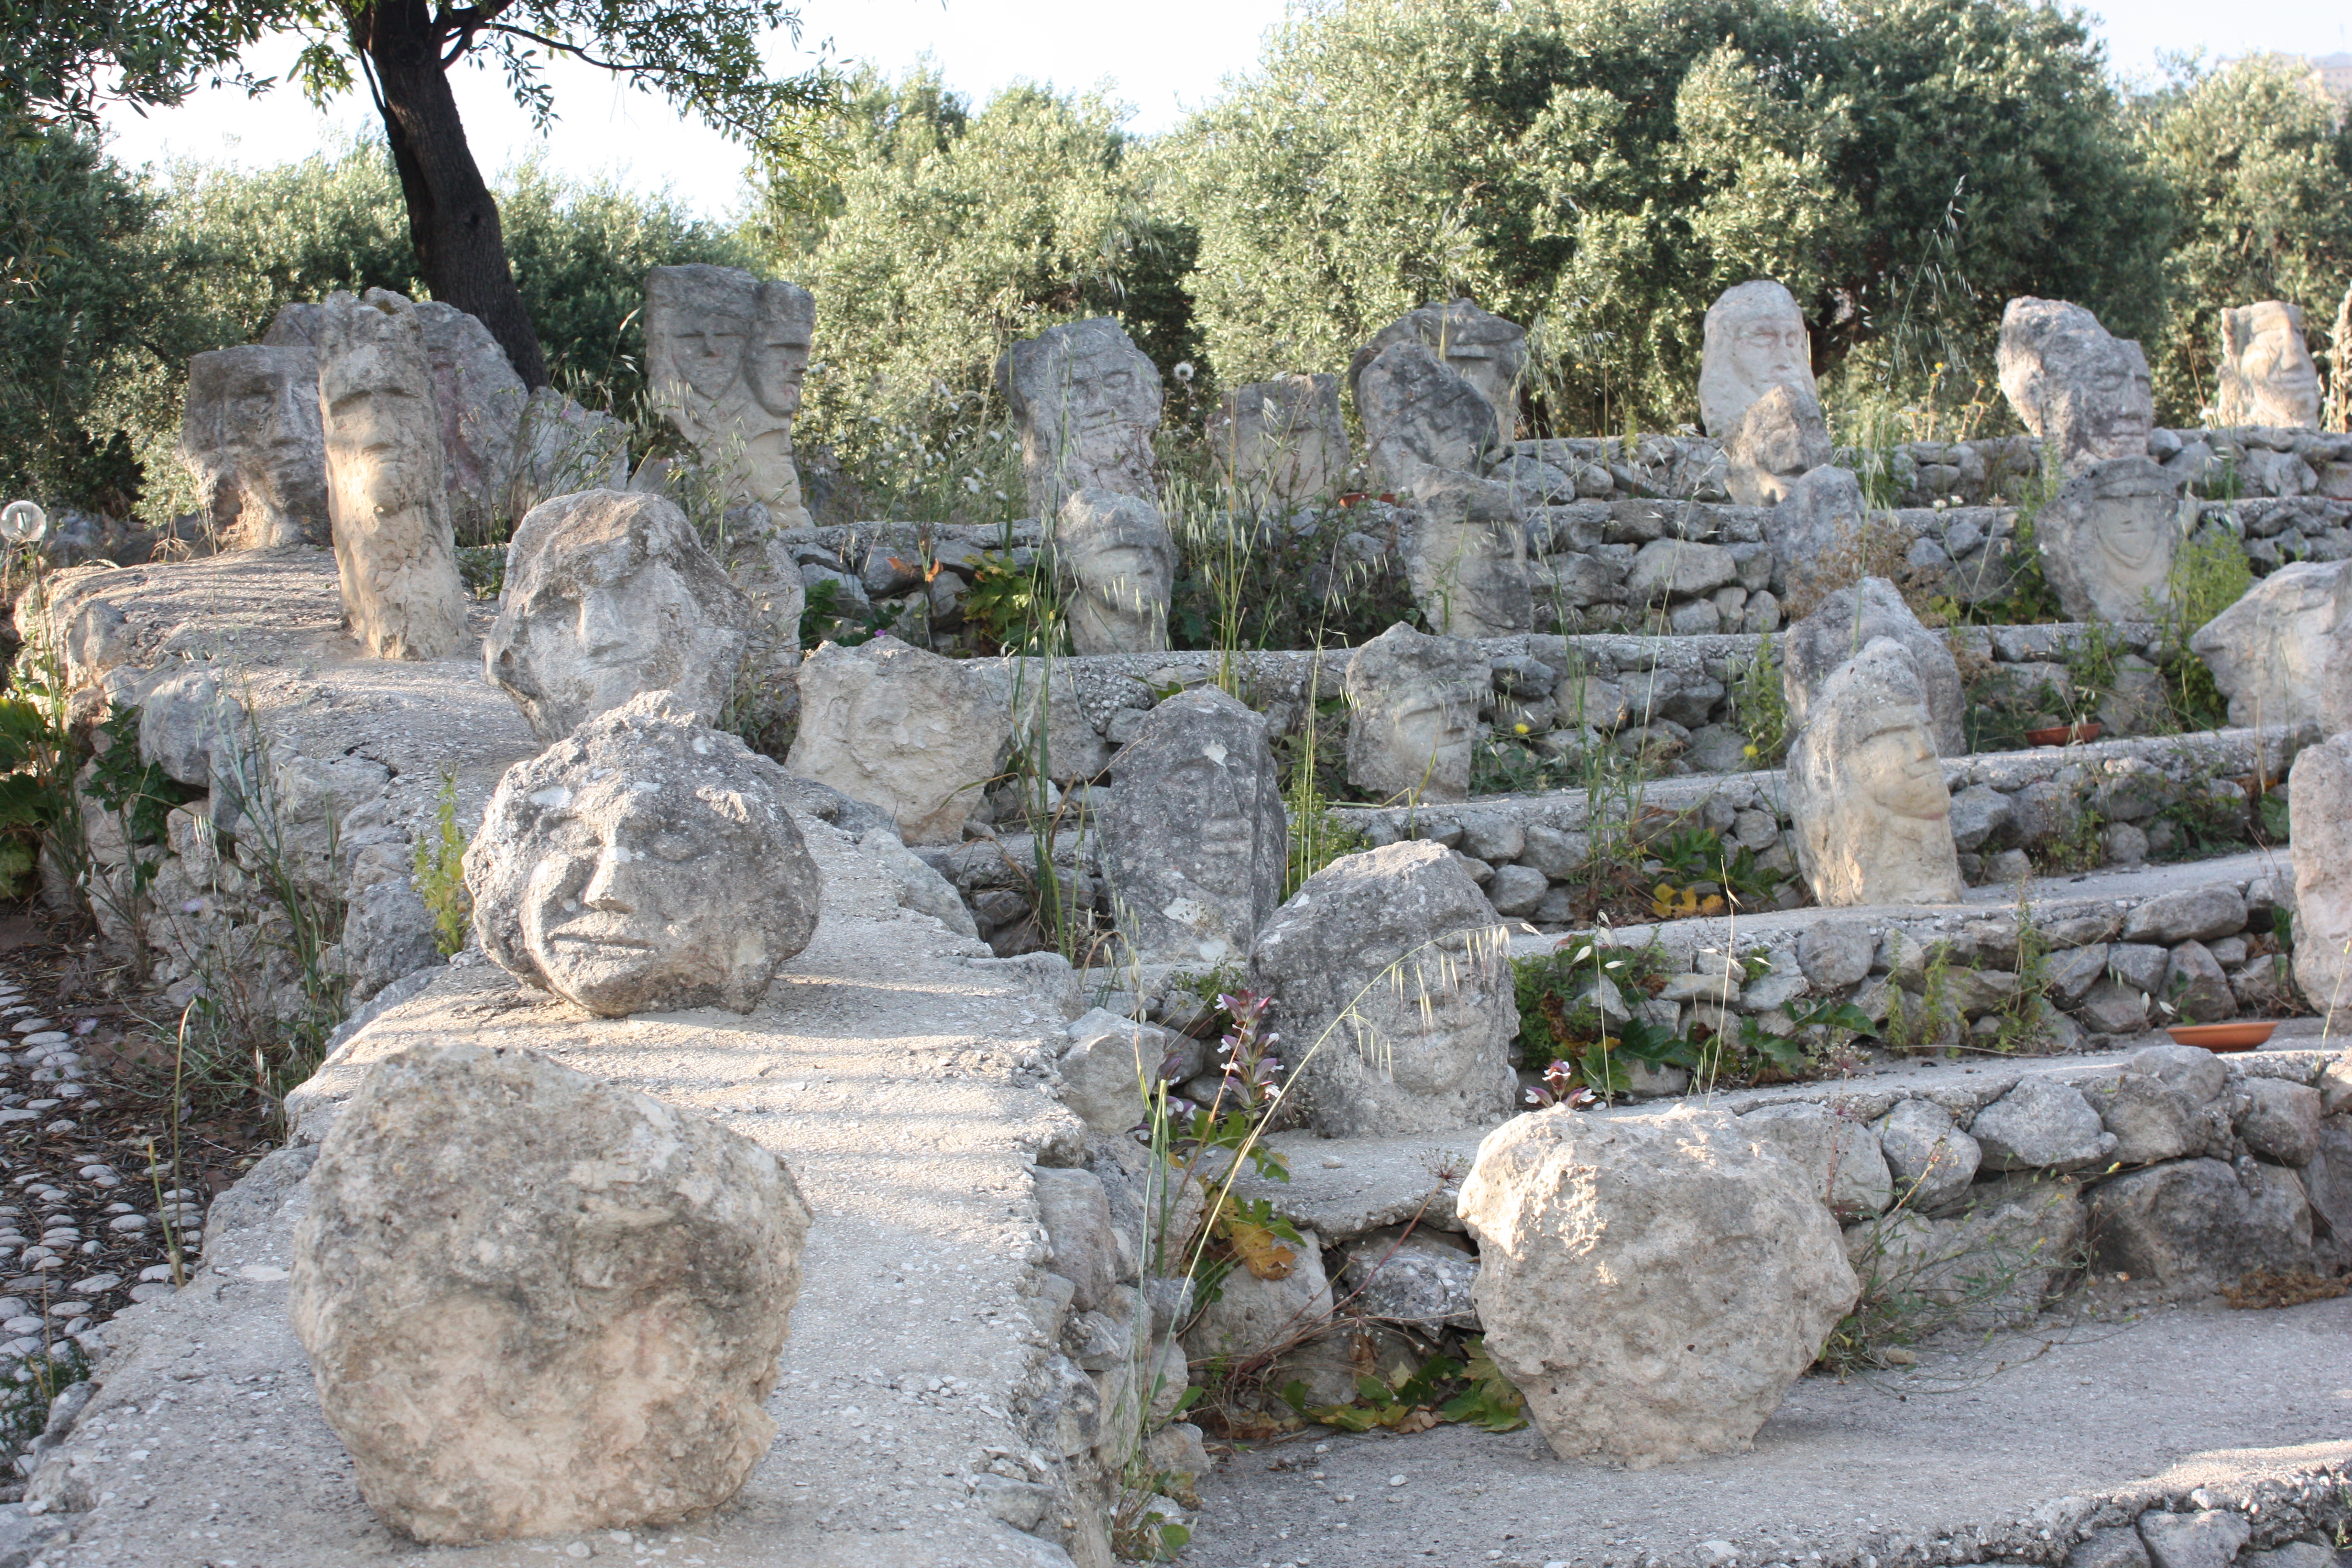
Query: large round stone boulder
point(644, 864)
point(537, 1303)
point(1652, 1284)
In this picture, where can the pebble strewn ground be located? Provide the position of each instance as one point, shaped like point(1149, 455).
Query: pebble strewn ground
point(89, 1222)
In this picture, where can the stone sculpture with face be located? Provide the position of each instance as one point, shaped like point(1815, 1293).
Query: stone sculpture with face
point(1780, 438)
point(1755, 339)
point(2086, 391)
point(2267, 374)
point(1849, 620)
point(252, 439)
point(1088, 401)
point(2283, 653)
point(1281, 442)
point(1482, 348)
point(1193, 840)
point(725, 354)
point(1118, 566)
point(644, 864)
point(2107, 540)
point(1412, 714)
point(904, 729)
point(609, 594)
point(1866, 792)
point(394, 548)
point(1467, 558)
point(1419, 414)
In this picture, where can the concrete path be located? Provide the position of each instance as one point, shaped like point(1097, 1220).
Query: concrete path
point(887, 1068)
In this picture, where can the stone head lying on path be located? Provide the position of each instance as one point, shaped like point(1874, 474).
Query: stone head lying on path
point(647, 863)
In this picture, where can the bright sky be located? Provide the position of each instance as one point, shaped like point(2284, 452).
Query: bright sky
point(1163, 60)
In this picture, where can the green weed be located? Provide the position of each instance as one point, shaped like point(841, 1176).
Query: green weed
point(440, 872)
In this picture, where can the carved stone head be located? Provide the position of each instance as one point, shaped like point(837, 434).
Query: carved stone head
point(1117, 566)
point(2107, 539)
point(1281, 441)
point(1088, 401)
point(1866, 790)
point(252, 438)
point(1468, 556)
point(1412, 702)
point(1755, 339)
point(2267, 374)
point(2086, 391)
point(644, 863)
point(609, 594)
point(1485, 350)
point(725, 354)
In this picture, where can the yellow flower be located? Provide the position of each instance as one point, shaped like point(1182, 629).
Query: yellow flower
point(1521, 728)
point(1749, 750)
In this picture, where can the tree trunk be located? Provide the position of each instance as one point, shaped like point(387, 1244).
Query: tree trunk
point(453, 219)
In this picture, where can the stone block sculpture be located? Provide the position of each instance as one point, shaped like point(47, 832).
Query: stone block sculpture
point(1482, 348)
point(2086, 391)
point(1117, 564)
point(536, 1304)
point(1866, 793)
point(1849, 620)
point(902, 729)
point(2319, 826)
point(609, 594)
point(252, 440)
point(1781, 437)
point(1418, 412)
point(725, 352)
point(1755, 339)
point(387, 496)
point(2108, 537)
point(1088, 402)
point(1281, 443)
point(1412, 714)
point(1391, 983)
point(644, 864)
point(2267, 374)
point(1193, 840)
point(1467, 556)
point(2283, 653)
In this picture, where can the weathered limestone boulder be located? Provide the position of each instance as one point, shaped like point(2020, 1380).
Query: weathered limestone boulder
point(1081, 1244)
point(1255, 1315)
point(2267, 376)
point(1817, 512)
point(1424, 1276)
point(609, 594)
point(2283, 653)
point(562, 448)
point(1845, 623)
point(2041, 1125)
point(2151, 1120)
point(2084, 391)
point(1392, 992)
point(1088, 401)
point(1117, 564)
point(2280, 1121)
point(1755, 339)
point(535, 1303)
point(252, 440)
point(2193, 1225)
point(1781, 437)
point(1931, 1159)
point(1192, 839)
point(2209, 1538)
point(1105, 1066)
point(1412, 702)
point(725, 352)
point(386, 487)
point(1652, 1284)
point(904, 729)
point(1467, 557)
point(1482, 348)
point(1992, 1264)
point(1842, 1159)
point(644, 864)
point(1419, 414)
point(1281, 442)
point(2107, 539)
point(2319, 828)
point(1866, 795)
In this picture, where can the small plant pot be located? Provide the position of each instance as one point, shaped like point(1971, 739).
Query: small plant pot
point(2221, 1036)
point(2065, 735)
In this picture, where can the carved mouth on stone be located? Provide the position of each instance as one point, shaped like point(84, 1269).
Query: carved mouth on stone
point(592, 943)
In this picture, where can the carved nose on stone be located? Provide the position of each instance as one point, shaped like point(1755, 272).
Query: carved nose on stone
point(607, 890)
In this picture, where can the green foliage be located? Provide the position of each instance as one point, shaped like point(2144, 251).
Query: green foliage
point(440, 868)
point(2259, 169)
point(25, 1405)
point(1012, 607)
point(69, 57)
point(1759, 705)
point(1415, 1399)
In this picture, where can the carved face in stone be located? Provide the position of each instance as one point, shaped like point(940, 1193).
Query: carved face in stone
point(2267, 374)
point(1115, 558)
point(1899, 764)
point(2073, 383)
point(647, 863)
point(1866, 793)
point(1088, 401)
point(609, 594)
point(253, 439)
point(1755, 339)
point(725, 354)
point(372, 425)
point(1467, 564)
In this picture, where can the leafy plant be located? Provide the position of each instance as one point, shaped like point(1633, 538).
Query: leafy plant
point(1474, 1392)
point(440, 872)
